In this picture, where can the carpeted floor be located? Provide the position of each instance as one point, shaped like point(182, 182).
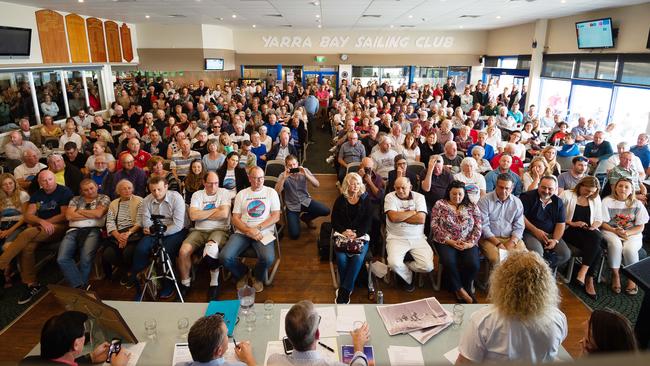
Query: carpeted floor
point(319, 151)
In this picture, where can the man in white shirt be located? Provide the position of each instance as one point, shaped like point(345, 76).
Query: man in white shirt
point(83, 120)
point(254, 215)
point(406, 212)
point(210, 211)
point(384, 157)
point(70, 135)
point(14, 150)
point(25, 172)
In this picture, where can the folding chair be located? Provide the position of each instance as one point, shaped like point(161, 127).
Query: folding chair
point(352, 167)
point(416, 167)
point(335, 273)
point(274, 168)
point(566, 162)
point(250, 253)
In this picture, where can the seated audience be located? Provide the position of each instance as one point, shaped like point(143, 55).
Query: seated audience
point(625, 169)
point(550, 155)
point(517, 165)
point(624, 217)
point(384, 156)
point(17, 146)
point(534, 173)
point(569, 148)
point(545, 219)
point(26, 172)
point(255, 212)
point(570, 178)
point(482, 165)
point(583, 219)
point(208, 343)
point(405, 216)
point(141, 157)
point(401, 170)
point(213, 160)
point(430, 147)
point(300, 205)
point(157, 169)
point(282, 148)
point(524, 322)
point(194, 180)
point(100, 148)
point(474, 182)
point(351, 217)
point(232, 177)
point(456, 229)
point(615, 160)
point(74, 157)
point(502, 220)
point(607, 331)
point(180, 161)
point(351, 151)
point(642, 151)
point(488, 150)
point(451, 157)
point(598, 149)
point(130, 172)
point(503, 168)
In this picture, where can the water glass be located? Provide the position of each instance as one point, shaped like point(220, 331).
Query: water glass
point(457, 315)
point(357, 324)
point(183, 327)
point(246, 296)
point(150, 328)
point(268, 309)
point(251, 317)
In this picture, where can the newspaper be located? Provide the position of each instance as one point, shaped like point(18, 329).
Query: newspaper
point(423, 335)
point(413, 315)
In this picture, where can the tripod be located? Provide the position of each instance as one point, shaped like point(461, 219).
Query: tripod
point(161, 260)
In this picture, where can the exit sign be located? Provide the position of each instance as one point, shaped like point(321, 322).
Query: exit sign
point(319, 58)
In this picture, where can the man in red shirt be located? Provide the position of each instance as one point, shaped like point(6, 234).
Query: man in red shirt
point(517, 165)
point(140, 156)
point(323, 95)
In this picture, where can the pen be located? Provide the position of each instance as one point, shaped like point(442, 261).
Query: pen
point(235, 342)
point(326, 347)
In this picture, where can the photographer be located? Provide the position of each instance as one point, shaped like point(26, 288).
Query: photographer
point(300, 205)
point(163, 213)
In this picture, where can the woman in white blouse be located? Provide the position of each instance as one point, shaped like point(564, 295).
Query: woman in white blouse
point(623, 220)
point(534, 173)
point(583, 219)
point(474, 182)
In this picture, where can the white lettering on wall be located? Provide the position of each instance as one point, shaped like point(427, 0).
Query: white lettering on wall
point(368, 42)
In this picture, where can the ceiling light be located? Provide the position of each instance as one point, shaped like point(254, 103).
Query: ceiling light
point(317, 15)
point(320, 26)
point(147, 16)
point(498, 16)
point(234, 16)
point(563, 1)
point(81, 1)
point(219, 18)
point(315, 3)
point(254, 26)
point(392, 26)
point(410, 16)
point(460, 26)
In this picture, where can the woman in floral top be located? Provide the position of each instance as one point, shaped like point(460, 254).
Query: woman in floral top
point(456, 228)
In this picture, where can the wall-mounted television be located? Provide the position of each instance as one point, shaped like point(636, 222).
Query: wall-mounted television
point(15, 41)
point(214, 64)
point(597, 33)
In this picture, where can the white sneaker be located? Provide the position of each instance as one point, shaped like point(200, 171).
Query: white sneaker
point(329, 160)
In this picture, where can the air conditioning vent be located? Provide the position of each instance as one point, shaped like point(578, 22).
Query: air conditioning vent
point(371, 16)
point(273, 15)
point(470, 16)
point(177, 16)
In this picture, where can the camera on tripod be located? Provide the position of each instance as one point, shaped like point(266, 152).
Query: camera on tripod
point(157, 227)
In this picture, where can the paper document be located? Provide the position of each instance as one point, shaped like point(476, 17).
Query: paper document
point(405, 356)
point(272, 348)
point(423, 335)
point(135, 350)
point(182, 354)
point(452, 355)
point(347, 315)
point(413, 315)
point(503, 254)
point(267, 238)
point(327, 322)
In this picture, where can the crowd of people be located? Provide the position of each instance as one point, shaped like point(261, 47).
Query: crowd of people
point(422, 171)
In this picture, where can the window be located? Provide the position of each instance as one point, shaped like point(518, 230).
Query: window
point(96, 96)
point(395, 76)
point(554, 94)
point(558, 69)
point(430, 75)
point(590, 102)
point(508, 63)
point(260, 72)
point(606, 70)
point(460, 75)
point(15, 100)
point(587, 69)
point(636, 73)
point(631, 112)
point(49, 94)
point(75, 91)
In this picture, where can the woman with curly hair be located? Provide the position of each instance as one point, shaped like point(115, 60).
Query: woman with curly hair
point(524, 322)
point(194, 180)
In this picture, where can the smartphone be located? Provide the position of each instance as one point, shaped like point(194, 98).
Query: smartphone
point(288, 346)
point(367, 170)
point(294, 170)
point(114, 348)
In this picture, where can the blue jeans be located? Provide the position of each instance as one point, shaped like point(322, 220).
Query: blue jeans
point(143, 250)
point(78, 276)
point(349, 266)
point(460, 266)
point(314, 210)
point(236, 245)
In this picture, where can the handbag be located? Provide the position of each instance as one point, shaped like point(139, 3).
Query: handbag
point(345, 245)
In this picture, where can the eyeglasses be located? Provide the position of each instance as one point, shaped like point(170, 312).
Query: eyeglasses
point(256, 178)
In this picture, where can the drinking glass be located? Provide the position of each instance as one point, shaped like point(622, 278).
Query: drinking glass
point(251, 317)
point(357, 324)
point(268, 309)
point(457, 315)
point(183, 327)
point(150, 328)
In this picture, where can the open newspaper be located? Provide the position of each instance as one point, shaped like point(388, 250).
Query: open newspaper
point(413, 316)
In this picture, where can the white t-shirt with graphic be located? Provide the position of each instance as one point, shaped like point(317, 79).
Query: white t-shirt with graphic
point(230, 184)
point(404, 230)
point(256, 206)
point(202, 201)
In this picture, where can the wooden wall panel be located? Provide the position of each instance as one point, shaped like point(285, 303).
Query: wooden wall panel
point(96, 40)
point(127, 46)
point(113, 41)
point(77, 38)
point(51, 33)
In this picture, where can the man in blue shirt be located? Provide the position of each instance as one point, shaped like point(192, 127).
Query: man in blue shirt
point(504, 168)
point(208, 343)
point(544, 218)
point(642, 151)
point(598, 149)
point(502, 215)
point(311, 107)
point(481, 141)
point(273, 127)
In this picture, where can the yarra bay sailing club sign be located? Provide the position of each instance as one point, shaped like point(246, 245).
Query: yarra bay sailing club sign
point(360, 42)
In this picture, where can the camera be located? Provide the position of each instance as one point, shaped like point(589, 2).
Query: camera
point(294, 170)
point(157, 227)
point(367, 170)
point(114, 348)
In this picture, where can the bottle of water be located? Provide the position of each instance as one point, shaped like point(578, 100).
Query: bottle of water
point(380, 297)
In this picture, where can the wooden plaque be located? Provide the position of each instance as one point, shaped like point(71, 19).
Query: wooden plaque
point(127, 47)
point(96, 40)
point(113, 41)
point(51, 33)
point(77, 38)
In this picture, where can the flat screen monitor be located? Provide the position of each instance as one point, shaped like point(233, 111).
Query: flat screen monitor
point(214, 64)
point(596, 33)
point(15, 41)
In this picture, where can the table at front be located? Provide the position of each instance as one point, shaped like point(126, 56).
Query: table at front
point(161, 351)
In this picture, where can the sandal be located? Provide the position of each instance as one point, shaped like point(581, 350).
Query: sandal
point(616, 289)
point(632, 291)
